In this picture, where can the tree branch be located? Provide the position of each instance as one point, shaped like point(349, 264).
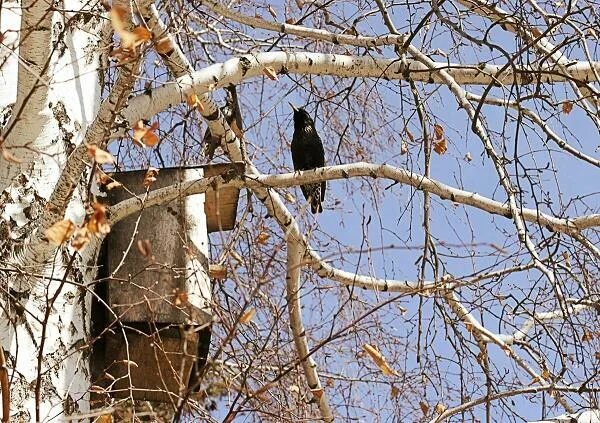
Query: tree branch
point(295, 254)
point(235, 70)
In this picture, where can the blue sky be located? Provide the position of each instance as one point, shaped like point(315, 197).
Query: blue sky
point(377, 229)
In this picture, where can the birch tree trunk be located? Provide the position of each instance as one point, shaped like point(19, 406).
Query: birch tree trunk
point(49, 94)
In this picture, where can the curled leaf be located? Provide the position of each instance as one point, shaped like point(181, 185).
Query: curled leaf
point(81, 238)
point(272, 11)
point(129, 39)
point(440, 147)
point(403, 147)
point(144, 136)
point(194, 101)
point(113, 185)
point(150, 176)
point(105, 418)
point(379, 360)
point(180, 298)
point(144, 247)
point(247, 315)
point(317, 392)
point(97, 223)
point(290, 198)
point(270, 73)
point(99, 155)
point(440, 408)
point(60, 232)
point(262, 238)
point(164, 45)
point(217, 271)
point(567, 107)
point(438, 131)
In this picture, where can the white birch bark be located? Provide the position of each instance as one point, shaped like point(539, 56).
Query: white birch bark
point(49, 78)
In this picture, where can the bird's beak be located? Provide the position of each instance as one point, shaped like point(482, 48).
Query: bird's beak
point(294, 107)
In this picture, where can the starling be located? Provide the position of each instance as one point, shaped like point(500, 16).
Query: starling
point(308, 153)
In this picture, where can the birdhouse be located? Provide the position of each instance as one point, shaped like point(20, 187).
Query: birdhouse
point(157, 285)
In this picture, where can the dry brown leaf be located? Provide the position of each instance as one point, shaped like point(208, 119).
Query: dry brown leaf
point(272, 11)
point(409, 134)
point(379, 360)
point(567, 259)
point(217, 271)
point(145, 136)
point(597, 355)
point(194, 101)
point(105, 418)
point(144, 247)
point(440, 146)
point(424, 407)
point(99, 155)
point(394, 392)
point(81, 238)
point(545, 374)
point(317, 392)
point(130, 40)
point(507, 350)
point(247, 315)
point(113, 185)
point(440, 408)
point(270, 73)
point(403, 147)
point(180, 298)
point(97, 223)
point(60, 232)
point(290, 198)
point(150, 177)
point(9, 157)
point(102, 178)
point(262, 238)
point(164, 45)
point(567, 106)
point(587, 336)
point(536, 33)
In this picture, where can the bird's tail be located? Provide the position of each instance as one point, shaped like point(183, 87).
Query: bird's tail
point(315, 204)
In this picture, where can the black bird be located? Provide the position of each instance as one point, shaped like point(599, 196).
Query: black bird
point(308, 153)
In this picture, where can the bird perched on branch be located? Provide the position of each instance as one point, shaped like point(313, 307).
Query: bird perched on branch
point(308, 153)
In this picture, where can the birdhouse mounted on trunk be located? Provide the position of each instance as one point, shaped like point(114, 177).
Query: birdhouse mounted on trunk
point(157, 284)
